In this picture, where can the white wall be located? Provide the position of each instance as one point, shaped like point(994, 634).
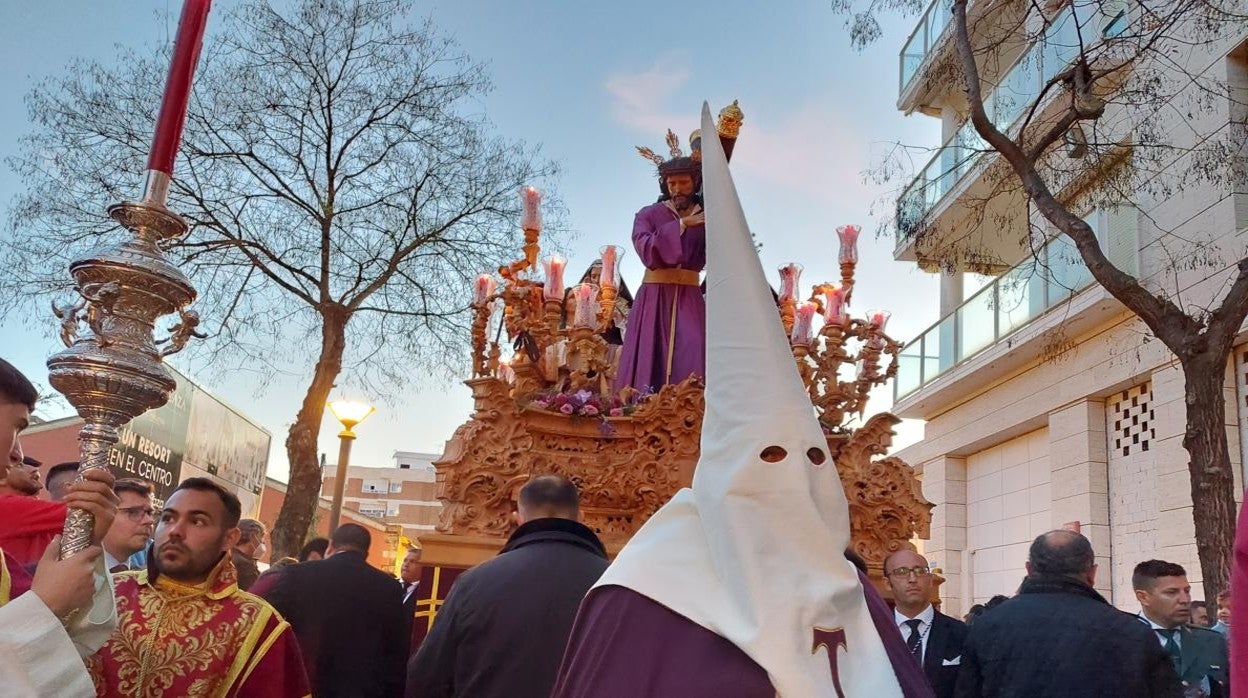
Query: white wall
point(1008, 505)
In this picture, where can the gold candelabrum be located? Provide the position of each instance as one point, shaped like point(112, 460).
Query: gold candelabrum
point(114, 371)
point(554, 353)
point(844, 342)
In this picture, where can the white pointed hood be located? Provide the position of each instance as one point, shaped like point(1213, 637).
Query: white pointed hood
point(754, 551)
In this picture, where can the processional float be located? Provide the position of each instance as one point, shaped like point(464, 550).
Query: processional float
point(542, 375)
point(114, 371)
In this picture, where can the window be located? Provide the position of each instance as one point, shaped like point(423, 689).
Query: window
point(392, 509)
point(1113, 18)
point(396, 486)
point(1132, 415)
point(376, 486)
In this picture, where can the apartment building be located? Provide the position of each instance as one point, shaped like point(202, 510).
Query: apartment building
point(402, 494)
point(1046, 403)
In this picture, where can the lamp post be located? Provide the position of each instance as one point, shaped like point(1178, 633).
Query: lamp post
point(349, 413)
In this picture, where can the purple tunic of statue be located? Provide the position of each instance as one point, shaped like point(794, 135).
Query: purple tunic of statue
point(648, 341)
point(624, 645)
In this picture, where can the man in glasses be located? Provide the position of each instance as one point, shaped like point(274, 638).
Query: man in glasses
point(132, 528)
point(932, 637)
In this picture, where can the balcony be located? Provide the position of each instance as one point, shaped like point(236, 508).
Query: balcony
point(1005, 105)
point(1005, 305)
point(927, 33)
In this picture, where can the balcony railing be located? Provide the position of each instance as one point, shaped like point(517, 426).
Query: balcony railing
point(1011, 301)
point(932, 25)
point(1019, 88)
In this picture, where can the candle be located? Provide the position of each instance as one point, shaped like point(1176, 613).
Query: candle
point(506, 373)
point(178, 85)
point(789, 276)
point(849, 243)
point(484, 288)
point(834, 305)
point(531, 219)
point(878, 318)
point(585, 297)
point(803, 324)
point(610, 275)
point(554, 265)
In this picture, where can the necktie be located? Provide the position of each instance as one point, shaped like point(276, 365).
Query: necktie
point(118, 568)
point(914, 641)
point(1171, 647)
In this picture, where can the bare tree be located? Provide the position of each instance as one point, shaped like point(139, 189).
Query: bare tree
point(1129, 107)
point(342, 186)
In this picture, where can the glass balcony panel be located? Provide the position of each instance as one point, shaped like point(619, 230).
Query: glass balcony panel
point(911, 57)
point(1015, 291)
point(1066, 272)
point(1017, 91)
point(1061, 44)
point(909, 370)
point(976, 322)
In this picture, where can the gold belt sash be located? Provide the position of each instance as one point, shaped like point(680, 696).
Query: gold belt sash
point(681, 277)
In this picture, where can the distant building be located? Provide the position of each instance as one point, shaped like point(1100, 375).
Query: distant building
point(403, 495)
point(382, 553)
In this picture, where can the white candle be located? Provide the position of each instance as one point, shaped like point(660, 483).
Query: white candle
point(531, 219)
point(554, 265)
point(834, 305)
point(849, 243)
point(610, 275)
point(803, 324)
point(585, 297)
point(484, 288)
point(789, 278)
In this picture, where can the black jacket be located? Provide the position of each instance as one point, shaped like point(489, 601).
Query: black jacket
point(503, 628)
point(1060, 639)
point(943, 657)
point(348, 617)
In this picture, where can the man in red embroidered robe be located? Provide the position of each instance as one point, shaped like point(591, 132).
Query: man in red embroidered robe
point(184, 627)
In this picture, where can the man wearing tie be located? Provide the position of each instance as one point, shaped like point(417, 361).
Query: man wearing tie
point(934, 638)
point(132, 529)
point(409, 578)
point(1198, 654)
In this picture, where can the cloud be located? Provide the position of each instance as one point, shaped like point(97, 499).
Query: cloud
point(638, 99)
point(809, 149)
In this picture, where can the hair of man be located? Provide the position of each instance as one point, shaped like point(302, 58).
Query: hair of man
point(1146, 574)
point(351, 537)
point(130, 484)
point(233, 508)
point(66, 469)
point(253, 531)
point(549, 496)
point(1061, 553)
point(15, 388)
point(316, 545)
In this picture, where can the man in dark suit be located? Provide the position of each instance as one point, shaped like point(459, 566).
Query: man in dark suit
point(409, 580)
point(1059, 638)
point(348, 617)
point(933, 638)
point(1198, 654)
point(505, 623)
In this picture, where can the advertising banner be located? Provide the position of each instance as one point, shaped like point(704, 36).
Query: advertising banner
point(194, 435)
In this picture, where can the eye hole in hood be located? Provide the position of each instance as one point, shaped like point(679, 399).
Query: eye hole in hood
point(817, 456)
point(773, 454)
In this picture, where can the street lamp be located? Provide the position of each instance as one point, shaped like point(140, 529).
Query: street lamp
point(349, 413)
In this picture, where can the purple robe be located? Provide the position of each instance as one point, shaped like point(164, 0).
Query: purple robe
point(644, 359)
point(624, 645)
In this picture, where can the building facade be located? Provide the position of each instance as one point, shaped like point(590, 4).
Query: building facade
point(402, 495)
point(1046, 403)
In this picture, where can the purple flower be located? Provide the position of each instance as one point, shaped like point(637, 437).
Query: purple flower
point(566, 408)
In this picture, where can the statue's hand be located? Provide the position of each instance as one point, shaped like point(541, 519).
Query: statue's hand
point(693, 220)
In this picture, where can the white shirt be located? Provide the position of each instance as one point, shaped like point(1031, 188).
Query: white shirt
point(1178, 637)
point(925, 627)
point(411, 589)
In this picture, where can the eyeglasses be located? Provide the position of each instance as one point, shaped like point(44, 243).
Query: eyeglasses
point(138, 513)
point(903, 572)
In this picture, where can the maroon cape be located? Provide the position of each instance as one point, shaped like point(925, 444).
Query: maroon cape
point(625, 645)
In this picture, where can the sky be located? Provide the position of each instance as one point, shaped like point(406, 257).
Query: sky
point(587, 81)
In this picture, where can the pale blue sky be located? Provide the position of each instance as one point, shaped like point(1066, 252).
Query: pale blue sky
point(587, 80)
